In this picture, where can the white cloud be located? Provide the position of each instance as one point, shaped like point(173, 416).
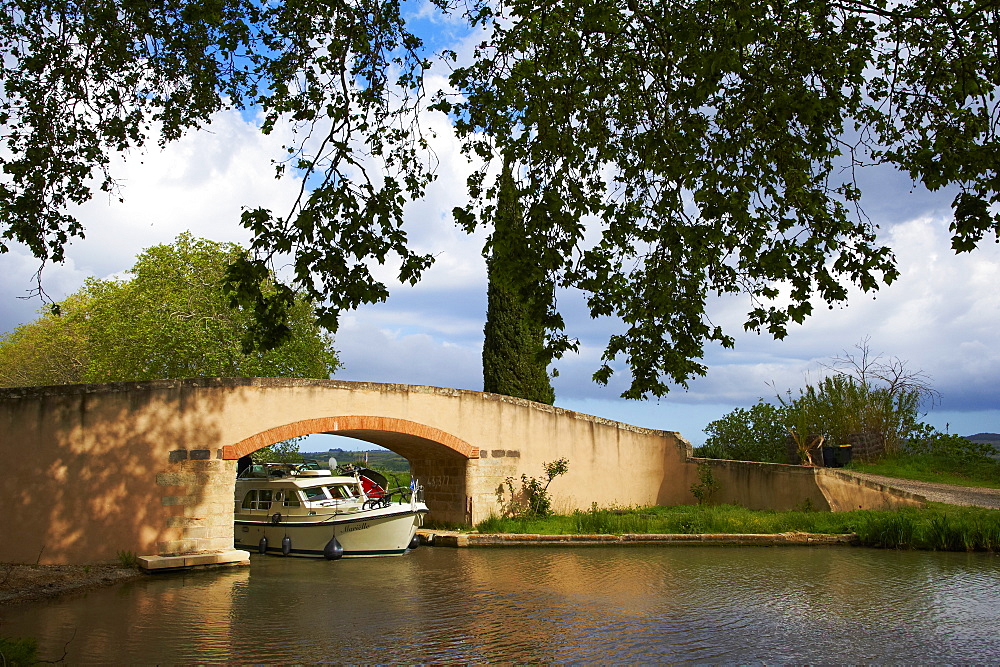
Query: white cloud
point(199, 183)
point(373, 354)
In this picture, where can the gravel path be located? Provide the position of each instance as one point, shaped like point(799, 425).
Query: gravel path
point(940, 493)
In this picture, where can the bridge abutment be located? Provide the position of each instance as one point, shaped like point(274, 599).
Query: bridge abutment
point(197, 500)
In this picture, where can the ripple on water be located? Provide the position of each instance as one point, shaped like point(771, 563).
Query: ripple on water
point(597, 604)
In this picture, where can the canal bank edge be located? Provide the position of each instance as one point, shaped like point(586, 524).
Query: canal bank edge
point(33, 583)
point(456, 539)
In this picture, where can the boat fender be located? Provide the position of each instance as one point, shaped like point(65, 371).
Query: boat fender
point(262, 546)
point(276, 518)
point(414, 541)
point(333, 550)
point(286, 545)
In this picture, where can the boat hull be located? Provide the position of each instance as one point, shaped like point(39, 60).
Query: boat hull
point(383, 532)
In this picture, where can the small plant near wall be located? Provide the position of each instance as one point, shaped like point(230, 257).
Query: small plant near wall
point(532, 499)
point(128, 559)
point(706, 486)
point(805, 444)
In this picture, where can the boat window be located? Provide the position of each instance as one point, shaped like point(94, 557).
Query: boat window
point(257, 499)
point(315, 493)
point(292, 499)
point(250, 499)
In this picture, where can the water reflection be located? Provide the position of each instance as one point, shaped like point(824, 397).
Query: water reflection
point(596, 604)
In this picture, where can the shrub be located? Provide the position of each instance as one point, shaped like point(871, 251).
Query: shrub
point(837, 409)
point(533, 498)
point(18, 651)
point(286, 451)
point(757, 434)
point(840, 408)
point(927, 441)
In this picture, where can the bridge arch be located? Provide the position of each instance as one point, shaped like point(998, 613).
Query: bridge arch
point(370, 428)
point(438, 460)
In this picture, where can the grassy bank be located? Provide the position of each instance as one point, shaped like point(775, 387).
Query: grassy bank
point(936, 469)
point(940, 527)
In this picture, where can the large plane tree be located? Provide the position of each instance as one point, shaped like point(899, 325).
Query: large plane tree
point(666, 152)
point(168, 317)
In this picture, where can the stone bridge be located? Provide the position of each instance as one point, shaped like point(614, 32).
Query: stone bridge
point(148, 467)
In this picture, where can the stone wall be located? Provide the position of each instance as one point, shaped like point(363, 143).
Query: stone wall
point(92, 471)
point(795, 487)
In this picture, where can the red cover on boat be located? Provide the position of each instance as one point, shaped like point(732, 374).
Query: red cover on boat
point(373, 483)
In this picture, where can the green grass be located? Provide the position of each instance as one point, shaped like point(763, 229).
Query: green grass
point(128, 559)
point(18, 651)
point(937, 469)
point(939, 527)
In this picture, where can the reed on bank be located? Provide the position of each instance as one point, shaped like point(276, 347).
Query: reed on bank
point(938, 527)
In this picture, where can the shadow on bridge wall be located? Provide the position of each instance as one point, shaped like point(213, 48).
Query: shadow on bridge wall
point(94, 470)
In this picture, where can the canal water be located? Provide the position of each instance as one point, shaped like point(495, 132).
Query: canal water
point(592, 604)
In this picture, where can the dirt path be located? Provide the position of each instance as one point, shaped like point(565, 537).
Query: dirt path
point(29, 583)
point(940, 493)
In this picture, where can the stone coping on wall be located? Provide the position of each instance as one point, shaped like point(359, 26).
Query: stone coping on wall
point(447, 538)
point(187, 561)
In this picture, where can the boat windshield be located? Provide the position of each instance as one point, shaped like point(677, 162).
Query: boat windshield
point(340, 491)
point(314, 493)
point(330, 492)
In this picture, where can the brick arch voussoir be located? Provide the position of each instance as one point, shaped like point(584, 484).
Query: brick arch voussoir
point(348, 423)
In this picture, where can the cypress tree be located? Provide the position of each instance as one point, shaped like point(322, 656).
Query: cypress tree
point(515, 358)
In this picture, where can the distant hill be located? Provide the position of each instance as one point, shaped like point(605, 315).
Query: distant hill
point(381, 458)
point(992, 439)
point(393, 462)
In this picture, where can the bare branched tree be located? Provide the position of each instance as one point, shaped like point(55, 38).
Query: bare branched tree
point(892, 373)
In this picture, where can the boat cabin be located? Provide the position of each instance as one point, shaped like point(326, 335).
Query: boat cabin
point(280, 487)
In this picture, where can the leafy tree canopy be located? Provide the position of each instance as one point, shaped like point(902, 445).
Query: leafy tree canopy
point(666, 153)
point(51, 350)
point(170, 319)
point(670, 152)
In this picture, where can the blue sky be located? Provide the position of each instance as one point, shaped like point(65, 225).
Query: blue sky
point(942, 316)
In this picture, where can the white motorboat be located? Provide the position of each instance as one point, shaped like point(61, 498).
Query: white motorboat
point(305, 511)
